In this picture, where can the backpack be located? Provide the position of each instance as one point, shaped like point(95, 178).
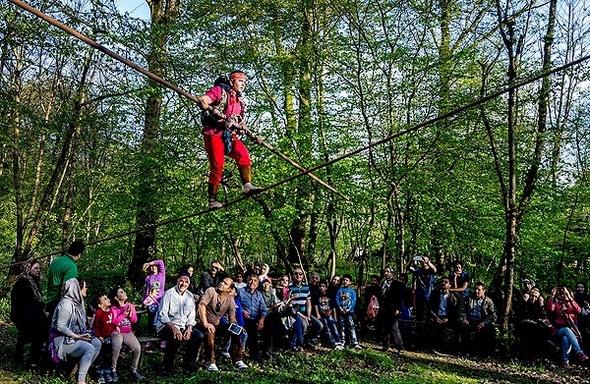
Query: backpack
point(372, 308)
point(207, 118)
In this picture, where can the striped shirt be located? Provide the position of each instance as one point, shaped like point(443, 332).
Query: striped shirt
point(300, 296)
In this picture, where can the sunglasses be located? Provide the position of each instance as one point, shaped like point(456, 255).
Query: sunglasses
point(298, 273)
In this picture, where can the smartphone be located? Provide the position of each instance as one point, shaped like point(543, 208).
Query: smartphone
point(235, 329)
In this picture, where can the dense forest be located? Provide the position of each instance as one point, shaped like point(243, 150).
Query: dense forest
point(90, 149)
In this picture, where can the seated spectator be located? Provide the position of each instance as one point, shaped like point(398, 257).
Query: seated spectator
point(282, 289)
point(27, 312)
point(212, 277)
point(392, 297)
point(175, 323)
point(264, 271)
point(459, 279)
point(301, 306)
point(443, 317)
point(254, 312)
point(581, 295)
point(215, 303)
point(564, 311)
point(225, 323)
point(69, 337)
point(534, 327)
point(335, 283)
point(124, 316)
point(239, 281)
point(327, 315)
point(190, 271)
point(346, 304)
point(103, 327)
point(155, 285)
point(477, 315)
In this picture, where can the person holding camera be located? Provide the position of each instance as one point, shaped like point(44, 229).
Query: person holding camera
point(175, 323)
point(215, 303)
point(212, 277)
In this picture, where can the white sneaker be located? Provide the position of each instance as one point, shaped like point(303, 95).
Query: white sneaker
point(249, 189)
point(226, 355)
point(338, 347)
point(212, 367)
point(241, 365)
point(214, 204)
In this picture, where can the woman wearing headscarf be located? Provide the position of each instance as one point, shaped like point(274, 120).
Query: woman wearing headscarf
point(69, 336)
point(27, 311)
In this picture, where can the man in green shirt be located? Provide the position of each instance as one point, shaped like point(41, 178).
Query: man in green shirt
point(61, 269)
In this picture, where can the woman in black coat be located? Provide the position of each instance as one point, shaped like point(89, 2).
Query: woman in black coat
point(27, 311)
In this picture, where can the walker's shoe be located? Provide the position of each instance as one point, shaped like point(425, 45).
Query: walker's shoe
point(114, 377)
point(581, 356)
point(249, 189)
point(214, 204)
point(137, 376)
point(212, 367)
point(565, 364)
point(226, 355)
point(241, 365)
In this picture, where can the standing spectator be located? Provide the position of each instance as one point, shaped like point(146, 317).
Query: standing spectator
point(301, 305)
point(61, 269)
point(155, 285)
point(476, 318)
point(327, 315)
point(564, 310)
point(264, 271)
point(27, 312)
point(254, 312)
point(212, 277)
point(391, 300)
point(371, 303)
point(333, 288)
point(125, 316)
point(423, 272)
point(175, 324)
point(459, 279)
point(443, 315)
point(346, 304)
point(215, 303)
point(69, 337)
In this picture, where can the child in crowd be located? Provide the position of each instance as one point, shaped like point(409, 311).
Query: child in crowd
point(103, 327)
point(346, 303)
point(124, 316)
point(326, 314)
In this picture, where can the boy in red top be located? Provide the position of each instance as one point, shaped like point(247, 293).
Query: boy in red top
point(103, 327)
point(220, 138)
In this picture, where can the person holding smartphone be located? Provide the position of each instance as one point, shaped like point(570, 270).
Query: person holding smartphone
point(215, 303)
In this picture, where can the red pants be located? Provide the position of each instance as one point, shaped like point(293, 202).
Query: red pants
point(216, 155)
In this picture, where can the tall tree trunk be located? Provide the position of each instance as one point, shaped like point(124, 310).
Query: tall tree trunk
point(163, 16)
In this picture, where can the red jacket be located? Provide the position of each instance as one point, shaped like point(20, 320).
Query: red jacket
point(103, 324)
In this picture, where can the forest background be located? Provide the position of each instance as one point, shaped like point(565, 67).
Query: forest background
point(90, 149)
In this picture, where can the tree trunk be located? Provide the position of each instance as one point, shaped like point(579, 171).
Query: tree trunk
point(163, 16)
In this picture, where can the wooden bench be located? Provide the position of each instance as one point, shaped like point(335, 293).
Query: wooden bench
point(143, 342)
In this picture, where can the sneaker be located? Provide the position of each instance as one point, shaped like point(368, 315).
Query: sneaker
point(226, 355)
point(214, 204)
point(114, 377)
point(137, 376)
point(249, 189)
point(565, 364)
point(339, 347)
point(356, 346)
point(241, 365)
point(581, 356)
point(212, 367)
point(100, 380)
point(106, 374)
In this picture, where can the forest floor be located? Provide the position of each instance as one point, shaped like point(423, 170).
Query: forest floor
point(367, 365)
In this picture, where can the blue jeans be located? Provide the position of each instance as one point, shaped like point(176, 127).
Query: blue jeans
point(568, 339)
point(330, 331)
point(346, 322)
point(299, 328)
point(243, 339)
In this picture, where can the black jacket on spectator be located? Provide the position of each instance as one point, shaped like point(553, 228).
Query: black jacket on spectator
point(453, 304)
